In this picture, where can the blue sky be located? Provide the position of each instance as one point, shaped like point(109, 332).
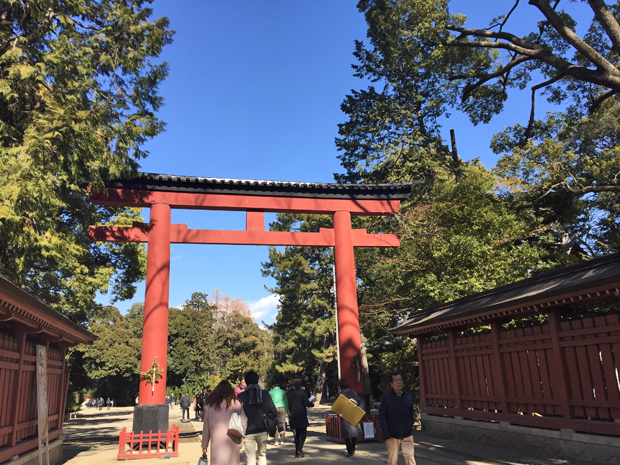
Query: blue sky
point(254, 92)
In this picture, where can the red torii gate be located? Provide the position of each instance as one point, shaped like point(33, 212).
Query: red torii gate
point(161, 193)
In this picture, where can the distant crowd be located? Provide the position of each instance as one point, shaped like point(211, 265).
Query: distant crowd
point(100, 403)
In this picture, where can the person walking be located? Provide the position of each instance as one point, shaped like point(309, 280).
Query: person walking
point(107, 402)
point(349, 432)
point(185, 403)
point(298, 415)
point(256, 402)
point(279, 400)
point(200, 401)
point(396, 421)
point(241, 386)
point(219, 405)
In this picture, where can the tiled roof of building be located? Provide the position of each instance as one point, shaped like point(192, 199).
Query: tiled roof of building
point(17, 304)
point(587, 281)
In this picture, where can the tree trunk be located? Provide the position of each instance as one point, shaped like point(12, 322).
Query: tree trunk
point(320, 383)
point(367, 386)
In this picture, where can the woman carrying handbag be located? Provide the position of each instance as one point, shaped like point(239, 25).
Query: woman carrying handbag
point(220, 404)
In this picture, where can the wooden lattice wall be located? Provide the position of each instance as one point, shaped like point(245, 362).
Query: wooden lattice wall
point(561, 374)
point(18, 402)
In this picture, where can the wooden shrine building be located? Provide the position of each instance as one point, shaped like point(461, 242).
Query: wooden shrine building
point(531, 364)
point(25, 323)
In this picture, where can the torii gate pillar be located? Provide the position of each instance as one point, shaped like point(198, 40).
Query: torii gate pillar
point(346, 296)
point(155, 332)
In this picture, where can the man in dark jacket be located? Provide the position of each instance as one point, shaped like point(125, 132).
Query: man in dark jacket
point(200, 401)
point(185, 403)
point(255, 401)
point(396, 421)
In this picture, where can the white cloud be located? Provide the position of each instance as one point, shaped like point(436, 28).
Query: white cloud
point(264, 306)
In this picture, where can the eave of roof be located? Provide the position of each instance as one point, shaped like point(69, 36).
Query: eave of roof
point(17, 301)
point(194, 184)
point(600, 273)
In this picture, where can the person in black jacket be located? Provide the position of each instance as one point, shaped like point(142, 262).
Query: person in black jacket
point(396, 421)
point(349, 432)
point(255, 401)
point(200, 402)
point(185, 403)
point(298, 415)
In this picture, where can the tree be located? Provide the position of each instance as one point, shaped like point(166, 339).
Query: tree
point(240, 345)
point(479, 65)
point(460, 231)
point(191, 344)
point(111, 365)
point(304, 332)
point(228, 304)
point(78, 96)
point(569, 170)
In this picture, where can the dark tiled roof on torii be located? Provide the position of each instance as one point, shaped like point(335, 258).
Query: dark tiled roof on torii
point(199, 185)
point(585, 282)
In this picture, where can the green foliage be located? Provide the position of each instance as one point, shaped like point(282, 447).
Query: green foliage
point(78, 96)
point(240, 345)
point(475, 68)
point(190, 341)
point(205, 346)
point(111, 365)
point(570, 171)
point(304, 332)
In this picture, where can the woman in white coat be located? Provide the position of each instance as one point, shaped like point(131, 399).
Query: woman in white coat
point(219, 405)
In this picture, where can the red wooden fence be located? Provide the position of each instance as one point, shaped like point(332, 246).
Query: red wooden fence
point(334, 434)
point(18, 402)
point(148, 445)
point(563, 374)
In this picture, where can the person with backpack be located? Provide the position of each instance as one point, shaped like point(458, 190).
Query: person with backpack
point(260, 410)
point(279, 400)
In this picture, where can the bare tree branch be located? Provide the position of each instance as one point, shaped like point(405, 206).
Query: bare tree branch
point(611, 79)
point(608, 21)
point(530, 124)
point(582, 190)
point(513, 39)
point(569, 35)
point(598, 102)
point(514, 7)
point(469, 89)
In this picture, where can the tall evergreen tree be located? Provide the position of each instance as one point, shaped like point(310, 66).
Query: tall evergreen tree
point(78, 97)
point(191, 345)
point(304, 331)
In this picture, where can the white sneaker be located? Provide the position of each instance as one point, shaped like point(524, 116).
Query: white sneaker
point(276, 443)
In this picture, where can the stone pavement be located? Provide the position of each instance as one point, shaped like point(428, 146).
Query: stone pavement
point(92, 439)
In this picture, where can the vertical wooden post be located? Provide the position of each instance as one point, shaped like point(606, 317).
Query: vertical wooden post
point(421, 374)
point(557, 368)
point(17, 388)
point(155, 332)
point(346, 296)
point(499, 375)
point(454, 374)
point(64, 385)
point(255, 221)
